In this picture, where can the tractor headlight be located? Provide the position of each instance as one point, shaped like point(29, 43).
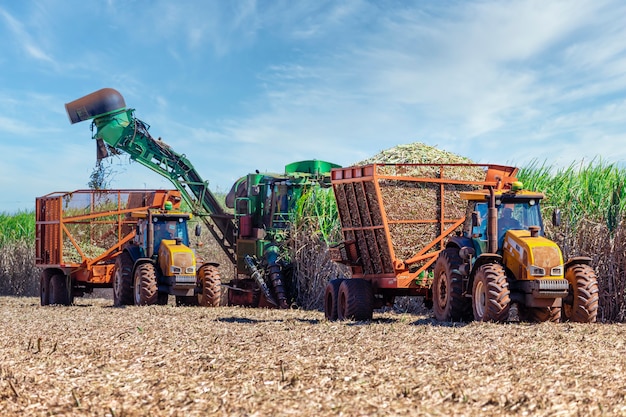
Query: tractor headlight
point(536, 271)
point(174, 270)
point(191, 270)
point(557, 270)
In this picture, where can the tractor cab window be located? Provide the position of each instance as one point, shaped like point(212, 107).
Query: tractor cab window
point(169, 229)
point(518, 216)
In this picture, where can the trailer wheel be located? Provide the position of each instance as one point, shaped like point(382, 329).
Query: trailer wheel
point(146, 289)
point(582, 305)
point(123, 280)
point(58, 290)
point(355, 300)
point(490, 294)
point(540, 314)
point(448, 301)
point(210, 286)
point(44, 289)
point(331, 294)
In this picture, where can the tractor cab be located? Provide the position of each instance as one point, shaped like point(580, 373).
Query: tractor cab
point(514, 209)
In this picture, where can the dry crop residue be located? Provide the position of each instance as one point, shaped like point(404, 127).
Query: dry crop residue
point(93, 359)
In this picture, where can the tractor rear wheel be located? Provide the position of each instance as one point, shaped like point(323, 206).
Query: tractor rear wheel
point(146, 289)
point(355, 300)
point(44, 289)
point(123, 280)
point(210, 294)
point(448, 301)
point(58, 291)
point(540, 314)
point(582, 304)
point(490, 294)
point(331, 295)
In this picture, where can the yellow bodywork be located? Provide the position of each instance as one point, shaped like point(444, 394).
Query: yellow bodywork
point(176, 259)
point(531, 258)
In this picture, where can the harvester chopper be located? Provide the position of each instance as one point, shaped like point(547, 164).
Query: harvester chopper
point(253, 235)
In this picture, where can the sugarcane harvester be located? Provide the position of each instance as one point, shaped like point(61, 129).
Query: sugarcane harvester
point(253, 235)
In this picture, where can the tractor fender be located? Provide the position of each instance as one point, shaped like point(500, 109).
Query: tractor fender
point(134, 252)
point(482, 259)
point(215, 264)
point(459, 242)
point(577, 260)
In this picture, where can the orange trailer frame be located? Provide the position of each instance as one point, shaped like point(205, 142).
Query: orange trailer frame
point(80, 220)
point(371, 248)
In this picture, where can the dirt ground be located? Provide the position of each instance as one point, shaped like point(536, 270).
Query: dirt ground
point(96, 360)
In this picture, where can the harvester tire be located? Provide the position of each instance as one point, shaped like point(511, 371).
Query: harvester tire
point(540, 314)
point(490, 294)
point(331, 295)
point(58, 290)
point(582, 304)
point(123, 280)
point(44, 289)
point(355, 300)
point(210, 294)
point(146, 289)
point(448, 301)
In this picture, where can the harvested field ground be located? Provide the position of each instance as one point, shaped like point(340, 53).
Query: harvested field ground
point(93, 359)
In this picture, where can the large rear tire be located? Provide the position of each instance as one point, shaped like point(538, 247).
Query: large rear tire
point(582, 304)
point(123, 280)
point(331, 295)
point(145, 289)
point(490, 294)
point(44, 289)
point(210, 294)
point(58, 290)
point(448, 301)
point(355, 300)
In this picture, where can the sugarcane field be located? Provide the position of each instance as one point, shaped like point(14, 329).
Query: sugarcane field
point(76, 344)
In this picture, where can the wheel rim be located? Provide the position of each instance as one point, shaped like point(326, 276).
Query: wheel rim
point(442, 299)
point(480, 299)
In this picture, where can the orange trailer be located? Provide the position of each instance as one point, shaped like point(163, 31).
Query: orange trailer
point(80, 233)
point(395, 219)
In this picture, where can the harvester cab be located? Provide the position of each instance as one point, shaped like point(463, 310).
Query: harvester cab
point(264, 206)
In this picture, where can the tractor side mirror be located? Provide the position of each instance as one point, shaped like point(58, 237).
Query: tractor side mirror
point(556, 217)
point(198, 230)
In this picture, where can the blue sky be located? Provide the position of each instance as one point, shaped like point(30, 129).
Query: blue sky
point(244, 85)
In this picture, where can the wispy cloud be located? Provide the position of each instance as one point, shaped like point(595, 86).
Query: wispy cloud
point(23, 39)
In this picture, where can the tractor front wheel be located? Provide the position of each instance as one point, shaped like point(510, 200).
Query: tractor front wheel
point(355, 300)
point(582, 303)
point(490, 294)
point(145, 288)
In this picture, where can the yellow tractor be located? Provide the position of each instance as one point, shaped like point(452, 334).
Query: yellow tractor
point(158, 262)
point(503, 258)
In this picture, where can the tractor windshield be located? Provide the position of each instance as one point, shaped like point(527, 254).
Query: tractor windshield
point(516, 215)
point(170, 229)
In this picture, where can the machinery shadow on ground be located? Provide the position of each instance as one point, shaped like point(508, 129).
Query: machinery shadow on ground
point(247, 320)
point(433, 322)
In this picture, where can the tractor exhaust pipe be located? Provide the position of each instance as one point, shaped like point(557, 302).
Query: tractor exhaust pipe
point(99, 103)
point(492, 223)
